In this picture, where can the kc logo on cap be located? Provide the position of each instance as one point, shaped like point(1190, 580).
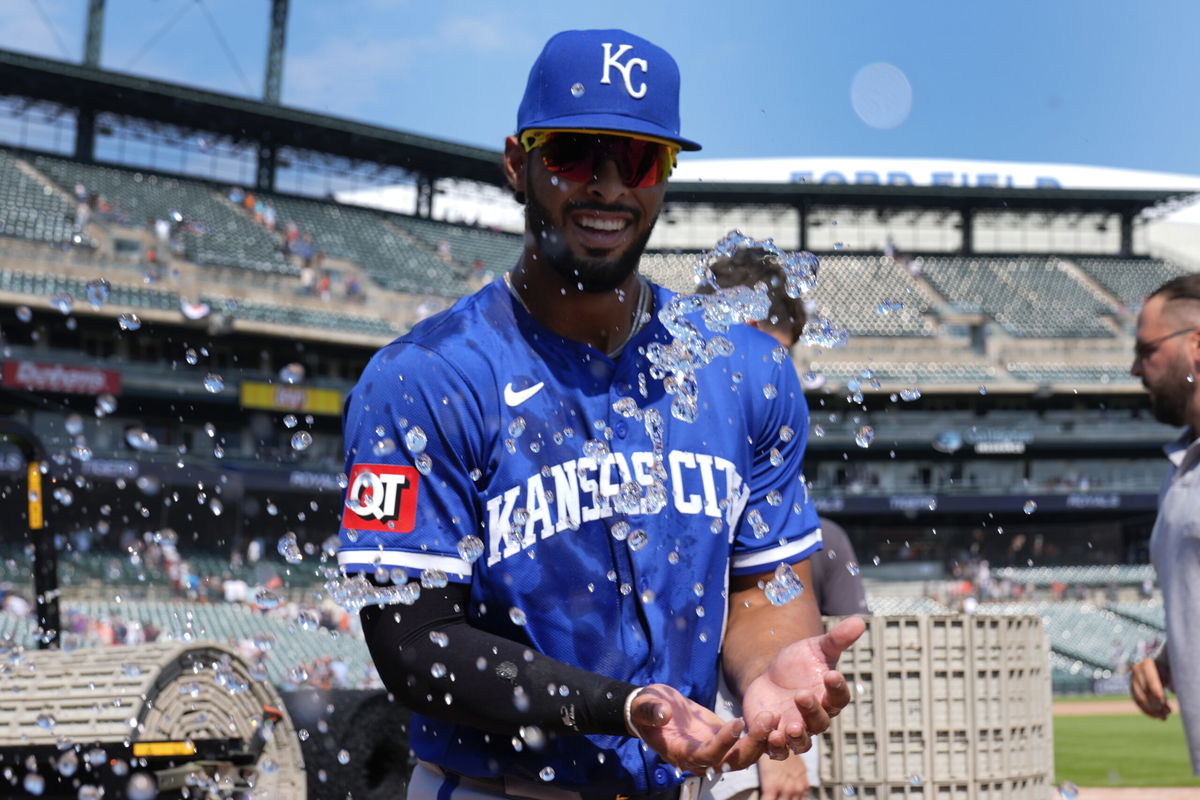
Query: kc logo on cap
point(605, 80)
point(612, 60)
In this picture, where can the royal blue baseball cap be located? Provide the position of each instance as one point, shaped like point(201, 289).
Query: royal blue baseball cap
point(604, 80)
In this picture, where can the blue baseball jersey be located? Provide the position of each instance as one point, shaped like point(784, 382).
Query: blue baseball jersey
point(483, 447)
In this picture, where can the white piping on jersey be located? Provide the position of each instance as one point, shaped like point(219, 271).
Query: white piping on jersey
point(404, 558)
point(776, 554)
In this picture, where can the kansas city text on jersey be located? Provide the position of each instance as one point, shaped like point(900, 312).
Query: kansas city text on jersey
point(563, 495)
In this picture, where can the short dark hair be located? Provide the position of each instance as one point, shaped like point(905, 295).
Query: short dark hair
point(1183, 287)
point(751, 265)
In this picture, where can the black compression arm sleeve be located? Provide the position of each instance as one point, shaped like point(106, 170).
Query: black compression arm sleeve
point(484, 681)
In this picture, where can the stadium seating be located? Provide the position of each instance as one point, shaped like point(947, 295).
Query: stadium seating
point(871, 296)
point(1129, 279)
point(30, 209)
point(1059, 372)
point(227, 239)
point(1030, 297)
point(916, 373)
point(1097, 575)
point(300, 316)
point(44, 285)
point(1085, 632)
point(497, 251)
point(392, 259)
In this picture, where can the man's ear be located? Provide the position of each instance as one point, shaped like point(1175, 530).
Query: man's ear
point(515, 162)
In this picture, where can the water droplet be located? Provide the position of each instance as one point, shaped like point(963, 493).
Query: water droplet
point(516, 427)
point(97, 292)
point(1029, 507)
point(433, 579)
point(547, 773)
point(982, 389)
point(34, 783)
point(383, 447)
point(139, 439)
point(627, 407)
point(948, 442)
point(776, 457)
point(774, 498)
point(638, 539)
point(864, 436)
point(62, 302)
point(141, 786)
point(289, 548)
point(784, 587)
point(68, 764)
point(343, 757)
point(770, 392)
point(825, 333)
point(786, 433)
point(63, 495)
point(131, 669)
point(292, 374)
point(129, 322)
point(916, 780)
point(849, 790)
point(908, 395)
point(301, 440)
point(266, 599)
point(105, 404)
point(885, 307)
point(423, 463)
point(416, 440)
point(1068, 791)
point(46, 721)
point(213, 383)
point(620, 530)
point(290, 421)
point(595, 448)
point(470, 548)
point(577, 90)
point(24, 313)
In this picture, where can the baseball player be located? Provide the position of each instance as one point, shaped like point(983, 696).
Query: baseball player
point(587, 561)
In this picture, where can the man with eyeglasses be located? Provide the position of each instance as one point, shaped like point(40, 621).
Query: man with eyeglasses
point(586, 561)
point(1167, 359)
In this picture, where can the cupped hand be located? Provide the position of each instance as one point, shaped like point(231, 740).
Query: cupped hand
point(801, 687)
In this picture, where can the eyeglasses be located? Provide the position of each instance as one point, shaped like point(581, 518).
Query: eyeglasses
point(1143, 350)
point(578, 155)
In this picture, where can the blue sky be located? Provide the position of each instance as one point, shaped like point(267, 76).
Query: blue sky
point(1102, 82)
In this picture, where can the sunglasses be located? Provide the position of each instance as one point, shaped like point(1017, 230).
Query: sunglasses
point(578, 155)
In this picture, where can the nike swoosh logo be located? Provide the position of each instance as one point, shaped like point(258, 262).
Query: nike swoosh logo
point(515, 398)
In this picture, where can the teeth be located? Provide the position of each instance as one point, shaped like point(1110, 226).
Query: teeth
point(602, 224)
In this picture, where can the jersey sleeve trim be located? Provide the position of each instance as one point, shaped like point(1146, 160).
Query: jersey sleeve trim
point(795, 550)
point(366, 560)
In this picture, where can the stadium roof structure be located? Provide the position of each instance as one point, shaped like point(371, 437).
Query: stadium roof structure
point(238, 118)
point(91, 90)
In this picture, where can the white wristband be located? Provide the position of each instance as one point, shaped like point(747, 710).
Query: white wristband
point(629, 726)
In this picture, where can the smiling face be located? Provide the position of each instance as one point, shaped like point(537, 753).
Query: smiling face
point(591, 233)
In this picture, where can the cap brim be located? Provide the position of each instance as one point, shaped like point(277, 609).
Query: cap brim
point(615, 123)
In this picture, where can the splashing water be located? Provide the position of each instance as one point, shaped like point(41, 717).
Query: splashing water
point(675, 362)
point(97, 292)
point(356, 593)
point(292, 374)
point(784, 587)
point(289, 548)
